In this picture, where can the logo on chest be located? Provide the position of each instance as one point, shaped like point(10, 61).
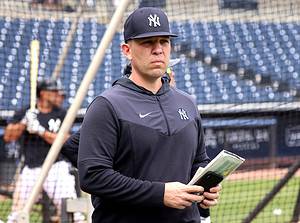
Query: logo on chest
point(144, 115)
point(54, 125)
point(183, 114)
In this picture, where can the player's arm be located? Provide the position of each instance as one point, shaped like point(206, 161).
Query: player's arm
point(33, 126)
point(49, 137)
point(15, 127)
point(13, 132)
point(70, 148)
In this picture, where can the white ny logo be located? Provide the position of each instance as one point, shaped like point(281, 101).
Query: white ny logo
point(54, 125)
point(153, 20)
point(183, 114)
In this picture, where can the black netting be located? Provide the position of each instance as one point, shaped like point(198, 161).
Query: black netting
point(238, 58)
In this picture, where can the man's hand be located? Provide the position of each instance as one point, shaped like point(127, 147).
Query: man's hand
point(180, 196)
point(34, 127)
point(30, 116)
point(211, 198)
point(33, 124)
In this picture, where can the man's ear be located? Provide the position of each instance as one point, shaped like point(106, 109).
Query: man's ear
point(126, 50)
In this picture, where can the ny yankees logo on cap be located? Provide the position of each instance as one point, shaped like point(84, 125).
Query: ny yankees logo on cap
point(153, 20)
point(147, 22)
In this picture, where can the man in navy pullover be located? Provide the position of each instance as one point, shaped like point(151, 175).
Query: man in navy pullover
point(142, 141)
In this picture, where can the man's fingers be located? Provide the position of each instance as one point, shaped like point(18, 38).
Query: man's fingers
point(186, 203)
point(216, 188)
point(211, 196)
point(194, 189)
point(178, 195)
point(209, 203)
point(214, 192)
point(203, 206)
point(194, 198)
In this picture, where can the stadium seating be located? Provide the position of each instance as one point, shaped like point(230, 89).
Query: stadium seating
point(221, 62)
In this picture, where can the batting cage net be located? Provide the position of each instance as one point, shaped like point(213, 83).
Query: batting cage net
point(240, 60)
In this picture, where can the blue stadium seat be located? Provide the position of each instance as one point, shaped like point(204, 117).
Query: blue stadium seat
point(268, 49)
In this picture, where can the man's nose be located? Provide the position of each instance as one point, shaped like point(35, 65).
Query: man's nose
point(158, 49)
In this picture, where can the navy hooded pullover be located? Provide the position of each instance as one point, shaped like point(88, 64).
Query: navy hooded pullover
point(132, 142)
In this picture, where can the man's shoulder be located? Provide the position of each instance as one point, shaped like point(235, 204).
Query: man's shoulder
point(113, 89)
point(114, 99)
point(57, 111)
point(181, 94)
point(21, 110)
point(19, 114)
point(113, 93)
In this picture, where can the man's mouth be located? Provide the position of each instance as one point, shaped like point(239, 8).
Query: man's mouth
point(157, 62)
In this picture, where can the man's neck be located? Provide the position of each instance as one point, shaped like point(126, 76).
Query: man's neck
point(44, 107)
point(151, 84)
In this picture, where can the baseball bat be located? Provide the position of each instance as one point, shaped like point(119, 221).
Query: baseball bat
point(34, 66)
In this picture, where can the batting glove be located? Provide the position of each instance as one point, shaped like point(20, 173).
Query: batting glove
point(30, 116)
point(34, 127)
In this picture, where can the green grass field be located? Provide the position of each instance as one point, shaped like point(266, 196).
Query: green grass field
point(238, 198)
point(35, 216)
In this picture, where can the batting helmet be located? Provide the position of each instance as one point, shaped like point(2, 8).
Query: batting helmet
point(49, 85)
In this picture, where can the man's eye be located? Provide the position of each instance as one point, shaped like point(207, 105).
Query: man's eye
point(165, 41)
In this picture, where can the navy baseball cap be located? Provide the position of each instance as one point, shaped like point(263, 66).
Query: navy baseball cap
point(146, 22)
point(49, 85)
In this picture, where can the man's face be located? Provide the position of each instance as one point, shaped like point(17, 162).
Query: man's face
point(59, 98)
point(149, 56)
point(49, 96)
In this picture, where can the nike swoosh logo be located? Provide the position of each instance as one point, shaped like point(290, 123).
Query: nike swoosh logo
point(144, 115)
